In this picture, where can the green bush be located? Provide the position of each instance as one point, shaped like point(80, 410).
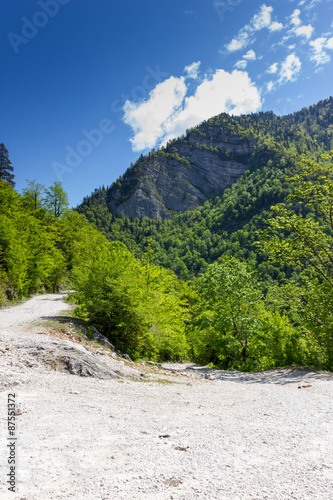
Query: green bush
point(137, 305)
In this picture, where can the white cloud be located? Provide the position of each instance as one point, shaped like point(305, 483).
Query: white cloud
point(318, 52)
point(273, 68)
point(240, 64)
point(270, 86)
point(275, 26)
point(240, 42)
point(329, 43)
point(263, 19)
point(288, 72)
point(290, 69)
point(294, 18)
point(167, 113)
point(318, 44)
point(259, 21)
point(304, 31)
point(147, 118)
point(225, 92)
point(192, 70)
point(250, 55)
point(310, 5)
point(297, 29)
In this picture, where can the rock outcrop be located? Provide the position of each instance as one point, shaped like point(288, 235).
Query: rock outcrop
point(87, 366)
point(181, 176)
point(209, 158)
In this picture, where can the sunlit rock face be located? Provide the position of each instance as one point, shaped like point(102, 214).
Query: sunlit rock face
point(180, 177)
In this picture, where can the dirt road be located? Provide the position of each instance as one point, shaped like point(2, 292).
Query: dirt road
point(241, 436)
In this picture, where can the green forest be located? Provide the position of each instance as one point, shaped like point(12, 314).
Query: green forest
point(242, 282)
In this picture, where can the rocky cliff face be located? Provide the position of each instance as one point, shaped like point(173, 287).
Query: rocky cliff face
point(210, 158)
point(181, 176)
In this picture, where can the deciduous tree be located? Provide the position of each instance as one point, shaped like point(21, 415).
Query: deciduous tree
point(56, 199)
point(301, 232)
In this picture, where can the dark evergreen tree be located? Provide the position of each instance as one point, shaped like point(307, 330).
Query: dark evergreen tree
point(6, 167)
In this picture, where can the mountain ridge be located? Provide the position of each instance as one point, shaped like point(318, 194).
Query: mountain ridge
point(209, 158)
point(228, 222)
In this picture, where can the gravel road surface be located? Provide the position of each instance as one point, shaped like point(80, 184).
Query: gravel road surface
point(149, 434)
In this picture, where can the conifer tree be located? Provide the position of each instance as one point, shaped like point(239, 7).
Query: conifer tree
point(6, 167)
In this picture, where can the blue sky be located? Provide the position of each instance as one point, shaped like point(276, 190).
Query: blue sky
point(87, 87)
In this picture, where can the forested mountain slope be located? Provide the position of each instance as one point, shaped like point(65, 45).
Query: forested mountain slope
point(228, 315)
point(266, 147)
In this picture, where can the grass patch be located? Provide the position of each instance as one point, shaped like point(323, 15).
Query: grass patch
point(162, 381)
point(68, 327)
point(165, 381)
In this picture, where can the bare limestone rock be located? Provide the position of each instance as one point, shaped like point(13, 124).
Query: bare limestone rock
point(86, 366)
point(164, 183)
point(101, 339)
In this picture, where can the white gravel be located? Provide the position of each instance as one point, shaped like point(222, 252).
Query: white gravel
point(245, 436)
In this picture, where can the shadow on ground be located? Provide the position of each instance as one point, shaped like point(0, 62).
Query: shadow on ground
point(56, 298)
point(65, 320)
point(280, 376)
